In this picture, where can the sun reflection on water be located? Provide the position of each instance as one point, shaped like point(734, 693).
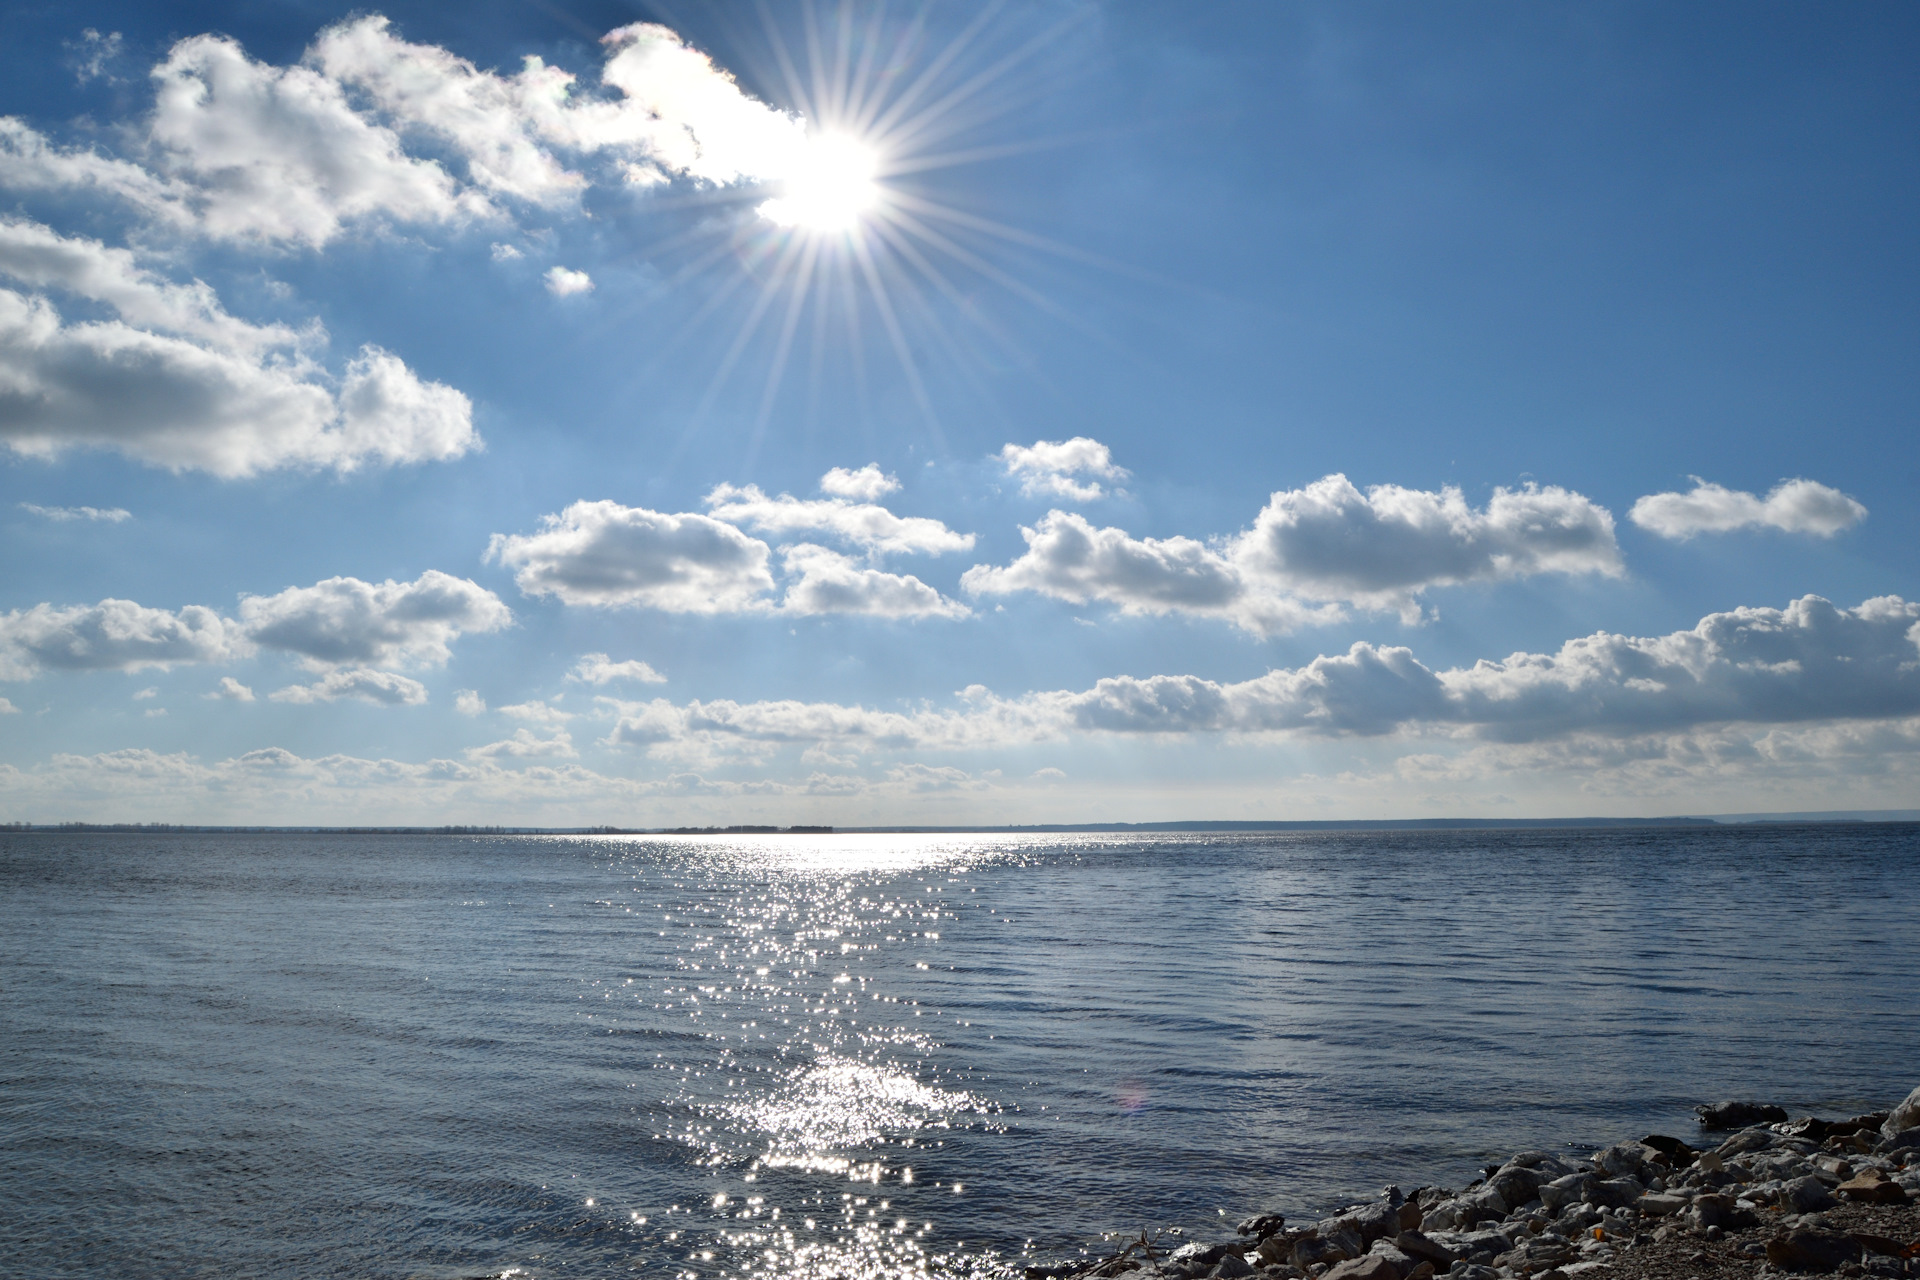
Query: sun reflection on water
point(793, 1017)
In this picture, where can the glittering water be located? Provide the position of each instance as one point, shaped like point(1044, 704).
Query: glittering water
point(854, 1056)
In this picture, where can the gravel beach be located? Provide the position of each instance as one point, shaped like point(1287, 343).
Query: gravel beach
point(1755, 1194)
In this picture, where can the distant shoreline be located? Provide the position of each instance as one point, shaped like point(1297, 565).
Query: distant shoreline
point(1199, 827)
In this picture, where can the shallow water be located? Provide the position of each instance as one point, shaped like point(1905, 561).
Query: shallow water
point(286, 1055)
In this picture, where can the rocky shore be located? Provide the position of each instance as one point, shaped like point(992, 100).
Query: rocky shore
point(1774, 1196)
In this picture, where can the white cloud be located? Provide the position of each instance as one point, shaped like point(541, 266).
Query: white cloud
point(1796, 506)
point(92, 52)
point(179, 383)
point(598, 668)
point(346, 621)
point(382, 688)
point(29, 162)
point(111, 515)
point(525, 744)
point(152, 691)
point(277, 154)
point(7, 708)
point(829, 582)
point(563, 282)
point(605, 554)
point(537, 713)
point(468, 703)
point(506, 253)
point(1379, 549)
point(868, 484)
point(231, 690)
point(154, 713)
point(1048, 467)
point(1067, 558)
point(114, 635)
point(866, 525)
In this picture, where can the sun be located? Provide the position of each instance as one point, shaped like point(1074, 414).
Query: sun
point(831, 184)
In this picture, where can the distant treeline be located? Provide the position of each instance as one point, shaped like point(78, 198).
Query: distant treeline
point(151, 828)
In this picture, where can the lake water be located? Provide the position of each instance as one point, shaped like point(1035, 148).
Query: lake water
point(848, 1056)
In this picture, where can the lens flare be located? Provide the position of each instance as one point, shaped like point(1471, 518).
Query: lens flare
point(831, 184)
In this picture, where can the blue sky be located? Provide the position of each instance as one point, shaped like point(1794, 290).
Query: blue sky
point(1059, 412)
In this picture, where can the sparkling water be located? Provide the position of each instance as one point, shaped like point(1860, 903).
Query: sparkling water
point(851, 1056)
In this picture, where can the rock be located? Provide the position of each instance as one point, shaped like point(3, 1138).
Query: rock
point(1903, 1117)
point(1231, 1267)
point(1738, 1115)
point(1711, 1211)
point(1870, 1186)
point(1678, 1153)
point(1275, 1250)
point(1812, 1250)
point(1308, 1250)
point(1659, 1206)
point(1805, 1195)
point(1424, 1249)
point(1421, 1271)
point(1614, 1193)
point(1906, 1140)
point(1262, 1225)
point(1371, 1267)
point(1753, 1138)
point(1402, 1264)
point(1628, 1158)
point(1369, 1222)
point(1710, 1162)
point(1561, 1192)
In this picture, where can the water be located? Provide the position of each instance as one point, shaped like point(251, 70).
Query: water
point(280, 1055)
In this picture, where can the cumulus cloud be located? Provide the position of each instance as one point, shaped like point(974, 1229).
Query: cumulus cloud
point(525, 745)
point(563, 282)
point(231, 690)
point(1796, 506)
point(868, 484)
point(110, 515)
point(611, 556)
point(178, 382)
point(278, 154)
point(864, 524)
point(382, 688)
point(537, 713)
point(7, 708)
point(1047, 468)
point(825, 581)
point(114, 635)
point(1808, 662)
point(343, 621)
point(1329, 541)
point(468, 703)
point(1068, 558)
point(598, 668)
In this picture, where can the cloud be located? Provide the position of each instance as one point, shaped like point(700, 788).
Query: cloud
point(1046, 467)
point(110, 515)
point(829, 582)
point(865, 525)
point(114, 635)
point(1329, 541)
point(562, 282)
point(868, 484)
point(92, 52)
point(177, 382)
point(152, 691)
point(524, 745)
point(597, 668)
point(537, 712)
point(382, 688)
point(468, 703)
point(29, 162)
point(277, 154)
point(343, 621)
point(506, 253)
point(607, 555)
point(7, 708)
point(1067, 558)
point(1796, 506)
point(232, 690)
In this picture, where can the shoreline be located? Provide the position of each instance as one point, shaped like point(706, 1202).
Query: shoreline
point(1761, 1195)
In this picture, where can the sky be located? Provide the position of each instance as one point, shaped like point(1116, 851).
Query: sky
point(939, 414)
